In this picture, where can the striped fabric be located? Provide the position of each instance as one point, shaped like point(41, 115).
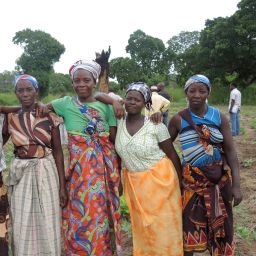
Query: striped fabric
point(34, 207)
point(193, 151)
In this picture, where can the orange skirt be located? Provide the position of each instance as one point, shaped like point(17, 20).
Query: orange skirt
point(154, 200)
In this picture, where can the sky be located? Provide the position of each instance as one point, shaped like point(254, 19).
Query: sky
point(85, 27)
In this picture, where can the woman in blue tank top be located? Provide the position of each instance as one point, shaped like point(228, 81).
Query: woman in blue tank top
point(209, 163)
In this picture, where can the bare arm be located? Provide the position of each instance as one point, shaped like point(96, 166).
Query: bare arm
point(9, 109)
point(59, 160)
point(171, 153)
point(118, 108)
point(174, 127)
point(112, 134)
point(5, 132)
point(232, 160)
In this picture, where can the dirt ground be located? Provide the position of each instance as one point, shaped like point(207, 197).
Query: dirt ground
point(245, 213)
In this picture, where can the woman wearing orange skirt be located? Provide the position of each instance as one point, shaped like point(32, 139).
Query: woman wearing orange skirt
point(151, 183)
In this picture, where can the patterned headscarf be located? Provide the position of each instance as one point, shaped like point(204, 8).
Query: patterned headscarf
point(26, 77)
point(198, 79)
point(143, 89)
point(90, 65)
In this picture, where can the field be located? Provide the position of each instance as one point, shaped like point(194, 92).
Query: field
point(245, 213)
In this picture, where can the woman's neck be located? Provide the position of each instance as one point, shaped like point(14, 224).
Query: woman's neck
point(134, 117)
point(200, 110)
point(86, 99)
point(28, 108)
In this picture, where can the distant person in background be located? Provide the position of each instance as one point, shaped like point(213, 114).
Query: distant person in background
point(165, 94)
point(159, 103)
point(3, 198)
point(234, 109)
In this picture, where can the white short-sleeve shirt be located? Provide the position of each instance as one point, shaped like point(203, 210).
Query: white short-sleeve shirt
point(140, 151)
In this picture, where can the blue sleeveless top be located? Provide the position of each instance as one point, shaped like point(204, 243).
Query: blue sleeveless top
point(193, 152)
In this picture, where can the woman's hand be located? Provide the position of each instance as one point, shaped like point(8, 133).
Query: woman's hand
point(41, 109)
point(120, 189)
point(118, 108)
point(237, 195)
point(156, 118)
point(63, 197)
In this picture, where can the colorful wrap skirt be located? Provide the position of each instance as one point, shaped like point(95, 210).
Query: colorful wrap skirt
point(207, 211)
point(93, 199)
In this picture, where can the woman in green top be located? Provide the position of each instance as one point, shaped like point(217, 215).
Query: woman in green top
point(92, 175)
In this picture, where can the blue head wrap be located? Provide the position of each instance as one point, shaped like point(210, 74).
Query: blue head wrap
point(198, 79)
point(26, 77)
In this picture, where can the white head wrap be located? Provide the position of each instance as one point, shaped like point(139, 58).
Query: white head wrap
point(90, 65)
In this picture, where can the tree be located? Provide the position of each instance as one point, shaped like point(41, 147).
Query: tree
point(147, 52)
point(41, 52)
point(184, 40)
point(125, 70)
point(59, 83)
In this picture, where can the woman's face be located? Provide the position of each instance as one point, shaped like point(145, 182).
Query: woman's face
point(26, 93)
point(83, 83)
point(134, 102)
point(197, 94)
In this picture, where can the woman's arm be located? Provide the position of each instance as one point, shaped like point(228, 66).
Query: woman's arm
point(5, 132)
point(9, 109)
point(112, 134)
point(118, 107)
point(232, 160)
point(171, 153)
point(174, 127)
point(59, 160)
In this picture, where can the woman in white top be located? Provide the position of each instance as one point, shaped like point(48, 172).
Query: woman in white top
point(151, 183)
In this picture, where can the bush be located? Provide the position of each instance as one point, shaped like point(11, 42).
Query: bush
point(8, 99)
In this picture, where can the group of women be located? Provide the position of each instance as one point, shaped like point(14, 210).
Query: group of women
point(175, 209)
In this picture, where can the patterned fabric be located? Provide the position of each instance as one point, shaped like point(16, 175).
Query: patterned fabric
point(156, 226)
point(34, 207)
point(3, 199)
point(92, 181)
point(206, 195)
point(198, 79)
point(142, 88)
point(90, 65)
point(3, 218)
point(73, 118)
point(2, 158)
point(26, 77)
point(140, 151)
point(193, 150)
point(31, 135)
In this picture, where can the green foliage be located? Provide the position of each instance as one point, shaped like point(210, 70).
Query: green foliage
point(183, 41)
point(125, 70)
point(6, 81)
point(124, 208)
point(177, 93)
point(41, 51)
point(59, 83)
point(249, 94)
point(149, 54)
point(8, 99)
